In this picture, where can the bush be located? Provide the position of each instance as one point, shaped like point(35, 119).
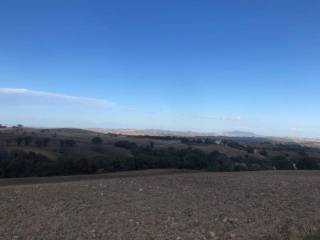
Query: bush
point(308, 163)
point(28, 140)
point(235, 145)
point(126, 144)
point(97, 140)
point(42, 142)
point(219, 162)
point(263, 153)
point(240, 166)
point(282, 163)
point(19, 163)
point(19, 140)
point(67, 143)
point(250, 150)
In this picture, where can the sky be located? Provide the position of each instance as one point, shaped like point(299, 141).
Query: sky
point(247, 65)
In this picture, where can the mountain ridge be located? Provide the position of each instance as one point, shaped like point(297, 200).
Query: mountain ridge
point(159, 132)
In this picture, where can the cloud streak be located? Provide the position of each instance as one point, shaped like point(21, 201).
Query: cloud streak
point(222, 118)
point(57, 97)
point(296, 129)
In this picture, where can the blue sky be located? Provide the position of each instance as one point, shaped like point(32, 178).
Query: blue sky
point(246, 65)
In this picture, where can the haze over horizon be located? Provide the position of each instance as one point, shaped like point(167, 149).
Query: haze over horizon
point(203, 66)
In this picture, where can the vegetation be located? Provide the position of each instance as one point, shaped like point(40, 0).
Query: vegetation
point(308, 163)
point(25, 164)
point(282, 163)
point(67, 143)
point(96, 140)
point(45, 153)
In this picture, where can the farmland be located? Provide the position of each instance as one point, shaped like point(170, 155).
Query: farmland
point(161, 204)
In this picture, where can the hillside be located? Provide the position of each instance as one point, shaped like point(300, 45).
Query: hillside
point(65, 151)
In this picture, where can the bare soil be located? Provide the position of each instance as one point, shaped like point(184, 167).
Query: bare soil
point(162, 205)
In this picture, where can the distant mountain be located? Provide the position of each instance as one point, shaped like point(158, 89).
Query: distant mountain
point(239, 134)
point(157, 132)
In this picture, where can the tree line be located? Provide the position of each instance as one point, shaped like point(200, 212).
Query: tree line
point(20, 163)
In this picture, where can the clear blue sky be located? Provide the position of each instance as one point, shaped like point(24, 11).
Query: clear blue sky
point(247, 65)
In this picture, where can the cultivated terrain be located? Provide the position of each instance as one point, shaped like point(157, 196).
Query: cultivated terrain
point(163, 204)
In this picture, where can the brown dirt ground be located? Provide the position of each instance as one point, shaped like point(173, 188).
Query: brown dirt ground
point(160, 205)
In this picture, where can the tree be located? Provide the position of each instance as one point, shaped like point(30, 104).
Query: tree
point(46, 141)
point(219, 162)
point(67, 143)
point(126, 144)
point(97, 140)
point(250, 149)
point(185, 140)
point(263, 152)
point(308, 163)
point(282, 163)
point(42, 142)
point(27, 140)
point(19, 140)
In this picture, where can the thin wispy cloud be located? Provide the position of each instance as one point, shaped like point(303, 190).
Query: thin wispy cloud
point(223, 118)
point(296, 129)
point(22, 92)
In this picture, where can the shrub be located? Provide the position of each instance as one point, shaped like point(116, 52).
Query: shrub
point(240, 166)
point(219, 162)
point(19, 163)
point(264, 153)
point(28, 140)
point(67, 143)
point(97, 140)
point(235, 145)
point(282, 163)
point(126, 144)
point(19, 140)
point(42, 142)
point(250, 150)
point(308, 163)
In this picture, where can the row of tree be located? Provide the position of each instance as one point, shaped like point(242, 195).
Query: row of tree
point(190, 158)
point(44, 141)
point(19, 163)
